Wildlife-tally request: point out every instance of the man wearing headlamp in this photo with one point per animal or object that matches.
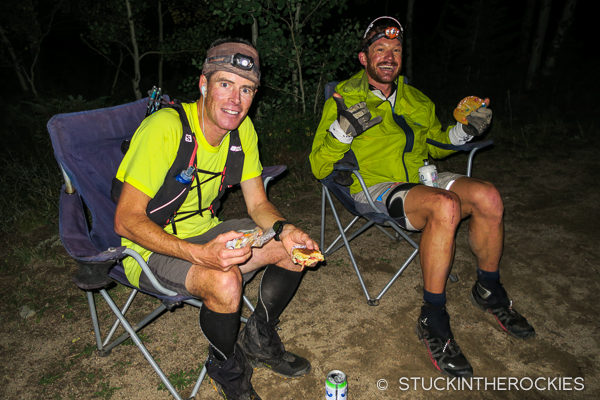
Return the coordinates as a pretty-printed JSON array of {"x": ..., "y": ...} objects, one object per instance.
[
  {"x": 384, "y": 123},
  {"x": 191, "y": 255}
]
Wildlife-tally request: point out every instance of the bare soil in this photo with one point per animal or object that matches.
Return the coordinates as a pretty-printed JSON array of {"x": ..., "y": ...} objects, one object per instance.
[{"x": 550, "y": 268}]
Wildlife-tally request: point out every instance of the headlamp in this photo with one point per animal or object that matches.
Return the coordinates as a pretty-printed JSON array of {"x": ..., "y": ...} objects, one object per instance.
[
  {"x": 238, "y": 60},
  {"x": 391, "y": 32}
]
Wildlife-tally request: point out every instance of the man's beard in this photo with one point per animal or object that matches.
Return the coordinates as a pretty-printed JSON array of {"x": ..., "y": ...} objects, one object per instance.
[{"x": 374, "y": 73}]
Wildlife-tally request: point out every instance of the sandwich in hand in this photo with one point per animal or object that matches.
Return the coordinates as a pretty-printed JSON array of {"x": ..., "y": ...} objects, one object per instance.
[
  {"x": 466, "y": 106},
  {"x": 305, "y": 257}
]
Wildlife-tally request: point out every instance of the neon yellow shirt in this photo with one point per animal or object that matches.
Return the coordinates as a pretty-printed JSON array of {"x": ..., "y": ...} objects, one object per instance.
[{"x": 152, "y": 151}]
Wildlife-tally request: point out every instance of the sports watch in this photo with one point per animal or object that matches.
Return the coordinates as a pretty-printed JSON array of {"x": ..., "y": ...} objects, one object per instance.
[{"x": 278, "y": 227}]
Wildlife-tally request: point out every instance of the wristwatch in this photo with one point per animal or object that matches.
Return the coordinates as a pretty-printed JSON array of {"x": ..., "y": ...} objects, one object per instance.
[{"x": 278, "y": 227}]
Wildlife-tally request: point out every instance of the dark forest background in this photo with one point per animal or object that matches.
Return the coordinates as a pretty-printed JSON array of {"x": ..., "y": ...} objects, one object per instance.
[{"x": 535, "y": 59}]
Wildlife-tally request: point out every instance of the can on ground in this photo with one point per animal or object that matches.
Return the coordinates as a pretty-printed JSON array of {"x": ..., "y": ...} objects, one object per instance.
[{"x": 336, "y": 386}]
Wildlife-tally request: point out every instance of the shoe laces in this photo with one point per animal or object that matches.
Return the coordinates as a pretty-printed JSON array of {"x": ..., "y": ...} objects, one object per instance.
[{"x": 451, "y": 348}]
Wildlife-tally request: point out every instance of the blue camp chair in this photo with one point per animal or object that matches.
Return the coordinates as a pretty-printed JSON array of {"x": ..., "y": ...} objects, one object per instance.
[
  {"x": 87, "y": 146},
  {"x": 386, "y": 224}
]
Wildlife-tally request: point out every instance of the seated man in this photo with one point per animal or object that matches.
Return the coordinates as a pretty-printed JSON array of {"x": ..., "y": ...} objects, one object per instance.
[
  {"x": 389, "y": 149},
  {"x": 190, "y": 254}
]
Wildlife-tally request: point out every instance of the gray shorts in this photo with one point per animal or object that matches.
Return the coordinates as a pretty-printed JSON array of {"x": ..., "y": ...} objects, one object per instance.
[
  {"x": 381, "y": 191},
  {"x": 171, "y": 272}
]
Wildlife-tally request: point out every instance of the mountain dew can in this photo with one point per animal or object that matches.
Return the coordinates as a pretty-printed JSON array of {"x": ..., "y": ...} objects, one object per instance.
[{"x": 336, "y": 386}]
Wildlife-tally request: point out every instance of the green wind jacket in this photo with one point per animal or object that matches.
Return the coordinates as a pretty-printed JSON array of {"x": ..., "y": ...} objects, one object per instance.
[{"x": 385, "y": 153}]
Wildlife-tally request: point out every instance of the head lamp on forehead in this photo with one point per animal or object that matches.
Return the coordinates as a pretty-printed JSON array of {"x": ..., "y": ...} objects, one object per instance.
[
  {"x": 393, "y": 30},
  {"x": 235, "y": 57},
  {"x": 237, "y": 60}
]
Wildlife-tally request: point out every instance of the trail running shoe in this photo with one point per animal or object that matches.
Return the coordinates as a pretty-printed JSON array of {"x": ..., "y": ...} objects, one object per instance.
[
  {"x": 262, "y": 345},
  {"x": 498, "y": 304},
  {"x": 444, "y": 352}
]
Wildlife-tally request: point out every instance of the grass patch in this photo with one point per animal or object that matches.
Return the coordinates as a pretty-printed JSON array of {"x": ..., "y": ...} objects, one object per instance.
[
  {"x": 182, "y": 379},
  {"x": 106, "y": 391}
]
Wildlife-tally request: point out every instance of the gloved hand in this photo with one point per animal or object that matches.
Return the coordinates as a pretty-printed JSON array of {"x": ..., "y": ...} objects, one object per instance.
[
  {"x": 479, "y": 120},
  {"x": 352, "y": 121}
]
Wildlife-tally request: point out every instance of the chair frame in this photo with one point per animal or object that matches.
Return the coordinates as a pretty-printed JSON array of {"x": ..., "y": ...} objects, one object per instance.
[
  {"x": 380, "y": 221},
  {"x": 106, "y": 268}
]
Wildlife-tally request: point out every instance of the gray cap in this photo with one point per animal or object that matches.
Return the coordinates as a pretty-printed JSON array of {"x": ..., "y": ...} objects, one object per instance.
[{"x": 238, "y": 58}]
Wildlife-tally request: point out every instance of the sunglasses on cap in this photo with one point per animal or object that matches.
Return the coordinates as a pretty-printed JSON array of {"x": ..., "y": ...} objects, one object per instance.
[{"x": 238, "y": 60}]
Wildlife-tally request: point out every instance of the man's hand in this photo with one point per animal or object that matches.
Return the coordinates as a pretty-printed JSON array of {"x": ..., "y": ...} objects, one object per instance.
[
  {"x": 352, "y": 121},
  {"x": 479, "y": 120},
  {"x": 216, "y": 255},
  {"x": 292, "y": 236}
]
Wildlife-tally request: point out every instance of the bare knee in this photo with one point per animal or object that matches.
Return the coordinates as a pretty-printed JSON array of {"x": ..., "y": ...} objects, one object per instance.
[
  {"x": 445, "y": 210},
  {"x": 221, "y": 291},
  {"x": 487, "y": 202}
]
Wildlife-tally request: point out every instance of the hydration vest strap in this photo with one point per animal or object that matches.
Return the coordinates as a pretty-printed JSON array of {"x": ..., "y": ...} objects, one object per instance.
[
  {"x": 232, "y": 173},
  {"x": 171, "y": 195}
]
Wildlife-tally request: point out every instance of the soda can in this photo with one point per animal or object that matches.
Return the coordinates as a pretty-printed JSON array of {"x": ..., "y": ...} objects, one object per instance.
[
  {"x": 428, "y": 174},
  {"x": 336, "y": 386}
]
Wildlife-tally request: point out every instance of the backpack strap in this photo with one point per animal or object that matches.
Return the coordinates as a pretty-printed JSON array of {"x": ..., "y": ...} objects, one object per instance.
[
  {"x": 232, "y": 173},
  {"x": 171, "y": 195}
]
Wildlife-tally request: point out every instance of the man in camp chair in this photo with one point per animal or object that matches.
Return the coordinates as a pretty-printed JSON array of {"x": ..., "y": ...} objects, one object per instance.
[
  {"x": 386, "y": 122},
  {"x": 190, "y": 252}
]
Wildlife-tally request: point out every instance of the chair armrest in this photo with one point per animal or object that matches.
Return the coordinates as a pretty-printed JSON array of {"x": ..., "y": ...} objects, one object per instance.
[
  {"x": 479, "y": 144},
  {"x": 365, "y": 190},
  {"x": 471, "y": 147},
  {"x": 142, "y": 263},
  {"x": 271, "y": 172},
  {"x": 344, "y": 166}
]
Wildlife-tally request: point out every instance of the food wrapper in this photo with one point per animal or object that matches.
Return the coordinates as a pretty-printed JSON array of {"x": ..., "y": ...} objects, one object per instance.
[{"x": 254, "y": 237}]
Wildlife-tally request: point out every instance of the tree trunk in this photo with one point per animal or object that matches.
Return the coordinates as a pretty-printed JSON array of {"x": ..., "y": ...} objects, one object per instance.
[
  {"x": 295, "y": 31},
  {"x": 565, "y": 23},
  {"x": 475, "y": 30},
  {"x": 135, "y": 54},
  {"x": 527, "y": 27},
  {"x": 254, "y": 31},
  {"x": 408, "y": 40},
  {"x": 161, "y": 34},
  {"x": 538, "y": 43},
  {"x": 15, "y": 61}
]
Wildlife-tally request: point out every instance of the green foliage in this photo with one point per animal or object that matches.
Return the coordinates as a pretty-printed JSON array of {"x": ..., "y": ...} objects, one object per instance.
[
  {"x": 30, "y": 179},
  {"x": 298, "y": 55},
  {"x": 182, "y": 379}
]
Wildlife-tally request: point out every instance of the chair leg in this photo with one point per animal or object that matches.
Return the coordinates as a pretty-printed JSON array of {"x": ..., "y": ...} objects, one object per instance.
[
  {"x": 93, "y": 313},
  {"x": 198, "y": 383},
  {"x": 139, "y": 344}
]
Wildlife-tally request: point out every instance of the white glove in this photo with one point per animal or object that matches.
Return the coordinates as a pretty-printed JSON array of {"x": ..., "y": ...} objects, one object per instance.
[
  {"x": 336, "y": 130},
  {"x": 458, "y": 136}
]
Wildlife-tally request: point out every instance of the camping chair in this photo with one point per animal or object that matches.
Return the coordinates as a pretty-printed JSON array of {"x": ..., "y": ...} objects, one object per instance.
[
  {"x": 374, "y": 217},
  {"x": 87, "y": 146}
]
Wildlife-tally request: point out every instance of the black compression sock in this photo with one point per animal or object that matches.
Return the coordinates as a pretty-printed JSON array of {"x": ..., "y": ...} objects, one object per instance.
[
  {"x": 221, "y": 330},
  {"x": 277, "y": 287}
]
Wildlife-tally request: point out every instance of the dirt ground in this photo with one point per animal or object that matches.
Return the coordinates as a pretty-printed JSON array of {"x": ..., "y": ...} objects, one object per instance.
[{"x": 550, "y": 268}]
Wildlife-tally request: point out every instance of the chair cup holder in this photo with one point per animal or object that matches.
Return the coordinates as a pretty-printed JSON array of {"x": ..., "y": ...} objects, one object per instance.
[{"x": 93, "y": 275}]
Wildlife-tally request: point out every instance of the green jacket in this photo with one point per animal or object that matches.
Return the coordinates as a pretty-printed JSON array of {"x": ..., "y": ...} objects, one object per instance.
[{"x": 385, "y": 153}]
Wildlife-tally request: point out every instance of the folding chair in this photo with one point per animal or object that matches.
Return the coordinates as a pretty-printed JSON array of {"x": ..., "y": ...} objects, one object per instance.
[
  {"x": 374, "y": 217},
  {"x": 87, "y": 146}
]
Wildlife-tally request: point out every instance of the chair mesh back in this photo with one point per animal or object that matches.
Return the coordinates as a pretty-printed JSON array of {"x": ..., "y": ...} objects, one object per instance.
[{"x": 88, "y": 146}]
